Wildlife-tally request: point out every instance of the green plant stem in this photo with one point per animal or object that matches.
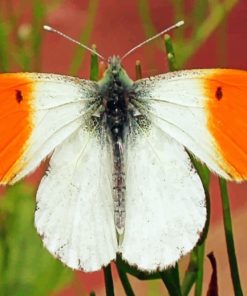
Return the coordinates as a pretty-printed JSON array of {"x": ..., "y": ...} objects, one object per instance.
[
  {"x": 147, "y": 22},
  {"x": 109, "y": 289},
  {"x": 170, "y": 277},
  {"x": 38, "y": 12},
  {"x": 125, "y": 282},
  {"x": 202, "y": 32},
  {"x": 190, "y": 274},
  {"x": 196, "y": 265},
  {"x": 172, "y": 65},
  {"x": 200, "y": 263},
  {"x": 229, "y": 238}
]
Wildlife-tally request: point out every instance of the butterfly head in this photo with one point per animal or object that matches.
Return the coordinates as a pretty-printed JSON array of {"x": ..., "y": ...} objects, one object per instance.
[
  {"x": 114, "y": 65},
  {"x": 115, "y": 73}
]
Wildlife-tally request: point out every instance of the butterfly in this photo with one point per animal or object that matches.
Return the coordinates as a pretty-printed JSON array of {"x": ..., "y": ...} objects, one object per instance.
[{"x": 120, "y": 180}]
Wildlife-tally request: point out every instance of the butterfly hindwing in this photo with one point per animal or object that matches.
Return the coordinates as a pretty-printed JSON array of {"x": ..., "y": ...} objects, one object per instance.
[
  {"x": 74, "y": 204},
  {"x": 165, "y": 201}
]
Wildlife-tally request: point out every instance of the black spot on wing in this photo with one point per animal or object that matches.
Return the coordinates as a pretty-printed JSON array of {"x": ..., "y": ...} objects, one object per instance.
[
  {"x": 18, "y": 96},
  {"x": 219, "y": 93}
]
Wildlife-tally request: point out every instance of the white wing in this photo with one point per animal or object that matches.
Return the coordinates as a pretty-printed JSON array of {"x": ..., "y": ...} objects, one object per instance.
[
  {"x": 74, "y": 204},
  {"x": 204, "y": 110},
  {"x": 46, "y": 111},
  {"x": 165, "y": 207}
]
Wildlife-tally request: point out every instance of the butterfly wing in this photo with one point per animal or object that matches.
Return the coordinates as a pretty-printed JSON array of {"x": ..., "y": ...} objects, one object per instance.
[
  {"x": 206, "y": 111},
  {"x": 74, "y": 204},
  {"x": 37, "y": 112},
  {"x": 165, "y": 201}
]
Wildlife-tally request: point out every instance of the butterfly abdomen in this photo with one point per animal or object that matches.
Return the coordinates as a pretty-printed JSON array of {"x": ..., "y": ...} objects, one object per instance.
[{"x": 115, "y": 114}]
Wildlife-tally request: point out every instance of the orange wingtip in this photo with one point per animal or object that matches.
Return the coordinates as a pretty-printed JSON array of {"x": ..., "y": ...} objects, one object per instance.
[
  {"x": 15, "y": 122},
  {"x": 226, "y": 91}
]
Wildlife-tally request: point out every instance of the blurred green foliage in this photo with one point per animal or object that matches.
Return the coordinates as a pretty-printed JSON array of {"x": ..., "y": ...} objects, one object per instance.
[
  {"x": 26, "y": 268},
  {"x": 201, "y": 20}
]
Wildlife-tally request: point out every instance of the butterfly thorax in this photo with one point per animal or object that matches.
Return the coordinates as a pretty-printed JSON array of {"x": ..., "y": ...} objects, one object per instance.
[{"x": 114, "y": 91}]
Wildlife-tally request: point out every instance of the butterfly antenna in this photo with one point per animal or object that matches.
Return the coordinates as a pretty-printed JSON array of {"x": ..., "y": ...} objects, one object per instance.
[
  {"x": 50, "y": 29},
  {"x": 178, "y": 24}
]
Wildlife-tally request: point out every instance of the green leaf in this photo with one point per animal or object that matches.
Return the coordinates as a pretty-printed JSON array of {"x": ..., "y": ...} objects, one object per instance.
[
  {"x": 108, "y": 280},
  {"x": 170, "y": 277},
  {"x": 84, "y": 37}
]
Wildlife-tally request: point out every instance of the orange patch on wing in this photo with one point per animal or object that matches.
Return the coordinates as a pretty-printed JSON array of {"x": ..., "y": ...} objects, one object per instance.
[
  {"x": 226, "y": 92},
  {"x": 15, "y": 122}
]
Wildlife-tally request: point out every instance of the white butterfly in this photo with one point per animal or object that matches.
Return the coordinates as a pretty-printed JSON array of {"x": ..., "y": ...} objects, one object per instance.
[{"x": 119, "y": 179}]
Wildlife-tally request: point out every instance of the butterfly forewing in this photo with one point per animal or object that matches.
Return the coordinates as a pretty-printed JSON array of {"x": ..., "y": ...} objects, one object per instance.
[
  {"x": 191, "y": 107},
  {"x": 38, "y": 111}
]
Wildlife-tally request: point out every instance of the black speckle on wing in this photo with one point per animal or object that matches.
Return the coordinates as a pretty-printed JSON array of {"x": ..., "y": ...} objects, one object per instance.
[
  {"x": 18, "y": 96},
  {"x": 219, "y": 93}
]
